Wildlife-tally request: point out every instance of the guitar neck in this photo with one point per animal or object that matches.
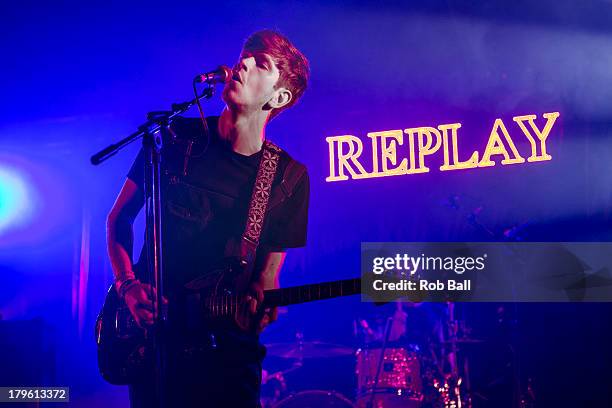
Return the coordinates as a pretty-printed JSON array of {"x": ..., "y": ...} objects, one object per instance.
[{"x": 309, "y": 293}]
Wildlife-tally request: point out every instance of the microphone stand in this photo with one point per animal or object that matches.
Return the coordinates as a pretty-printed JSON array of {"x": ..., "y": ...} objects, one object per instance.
[
  {"x": 151, "y": 133},
  {"x": 381, "y": 360},
  {"x": 519, "y": 398}
]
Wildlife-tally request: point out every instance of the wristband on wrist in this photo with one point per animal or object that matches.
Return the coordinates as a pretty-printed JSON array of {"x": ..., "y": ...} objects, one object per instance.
[
  {"x": 126, "y": 285},
  {"x": 122, "y": 277}
]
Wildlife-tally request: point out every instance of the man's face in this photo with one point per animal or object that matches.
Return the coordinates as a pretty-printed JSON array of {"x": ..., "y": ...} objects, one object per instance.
[{"x": 252, "y": 84}]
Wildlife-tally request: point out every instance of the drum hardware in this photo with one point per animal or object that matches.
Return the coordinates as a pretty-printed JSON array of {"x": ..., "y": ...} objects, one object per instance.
[
  {"x": 390, "y": 372},
  {"x": 381, "y": 359},
  {"x": 274, "y": 386},
  {"x": 298, "y": 351},
  {"x": 450, "y": 391}
]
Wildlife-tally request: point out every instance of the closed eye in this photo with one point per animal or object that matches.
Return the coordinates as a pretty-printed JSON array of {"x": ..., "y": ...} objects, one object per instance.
[
  {"x": 262, "y": 60},
  {"x": 263, "y": 63}
]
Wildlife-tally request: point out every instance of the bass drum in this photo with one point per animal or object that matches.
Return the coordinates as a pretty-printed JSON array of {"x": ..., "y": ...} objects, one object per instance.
[{"x": 315, "y": 399}]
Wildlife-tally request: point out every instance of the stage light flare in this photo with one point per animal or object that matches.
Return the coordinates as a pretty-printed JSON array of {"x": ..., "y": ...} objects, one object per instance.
[
  {"x": 17, "y": 199},
  {"x": 36, "y": 202}
]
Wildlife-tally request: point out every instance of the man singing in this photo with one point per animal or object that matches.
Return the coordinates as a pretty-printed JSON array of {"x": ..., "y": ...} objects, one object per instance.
[{"x": 207, "y": 186}]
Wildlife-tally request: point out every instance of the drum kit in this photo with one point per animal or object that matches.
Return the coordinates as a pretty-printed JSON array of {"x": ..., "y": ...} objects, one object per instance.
[{"x": 390, "y": 370}]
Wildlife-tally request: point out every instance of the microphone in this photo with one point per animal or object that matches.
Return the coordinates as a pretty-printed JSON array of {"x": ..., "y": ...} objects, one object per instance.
[{"x": 220, "y": 75}]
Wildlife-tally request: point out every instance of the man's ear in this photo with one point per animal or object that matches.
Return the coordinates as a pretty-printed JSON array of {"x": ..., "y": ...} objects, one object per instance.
[{"x": 282, "y": 96}]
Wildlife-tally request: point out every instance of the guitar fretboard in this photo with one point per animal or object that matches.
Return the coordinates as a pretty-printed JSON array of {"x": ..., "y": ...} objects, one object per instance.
[
  {"x": 309, "y": 293},
  {"x": 226, "y": 305}
]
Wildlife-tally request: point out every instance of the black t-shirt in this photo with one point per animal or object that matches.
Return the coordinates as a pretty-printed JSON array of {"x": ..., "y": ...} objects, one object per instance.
[{"x": 205, "y": 209}]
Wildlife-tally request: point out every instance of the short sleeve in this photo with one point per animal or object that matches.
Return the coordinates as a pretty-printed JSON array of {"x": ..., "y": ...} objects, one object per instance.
[
  {"x": 287, "y": 223},
  {"x": 136, "y": 173}
]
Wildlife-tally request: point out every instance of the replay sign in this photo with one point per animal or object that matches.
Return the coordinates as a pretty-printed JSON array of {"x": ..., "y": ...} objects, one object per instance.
[{"x": 345, "y": 152}]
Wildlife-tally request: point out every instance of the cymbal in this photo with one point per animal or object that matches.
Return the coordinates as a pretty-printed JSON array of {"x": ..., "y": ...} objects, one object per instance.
[{"x": 308, "y": 349}]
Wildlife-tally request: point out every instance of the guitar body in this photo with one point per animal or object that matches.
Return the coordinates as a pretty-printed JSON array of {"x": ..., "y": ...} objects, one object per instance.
[{"x": 125, "y": 351}]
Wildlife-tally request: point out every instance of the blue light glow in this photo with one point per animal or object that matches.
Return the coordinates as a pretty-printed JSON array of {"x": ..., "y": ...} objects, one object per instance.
[{"x": 15, "y": 199}]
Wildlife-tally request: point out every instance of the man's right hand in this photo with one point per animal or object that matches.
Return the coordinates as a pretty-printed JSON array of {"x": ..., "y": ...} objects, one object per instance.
[{"x": 139, "y": 299}]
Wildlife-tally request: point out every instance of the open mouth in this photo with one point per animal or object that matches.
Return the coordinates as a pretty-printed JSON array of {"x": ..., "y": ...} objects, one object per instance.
[{"x": 236, "y": 77}]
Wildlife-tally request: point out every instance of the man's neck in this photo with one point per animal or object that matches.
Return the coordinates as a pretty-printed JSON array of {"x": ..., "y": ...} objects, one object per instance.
[{"x": 245, "y": 133}]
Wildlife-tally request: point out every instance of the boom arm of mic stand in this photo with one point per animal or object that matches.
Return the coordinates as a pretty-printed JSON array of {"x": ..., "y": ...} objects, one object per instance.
[{"x": 151, "y": 126}]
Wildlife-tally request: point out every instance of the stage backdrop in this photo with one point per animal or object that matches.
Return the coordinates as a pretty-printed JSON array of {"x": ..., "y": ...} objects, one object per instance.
[{"x": 76, "y": 77}]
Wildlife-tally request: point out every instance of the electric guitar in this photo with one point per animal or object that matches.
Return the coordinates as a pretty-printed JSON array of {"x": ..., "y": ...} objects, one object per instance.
[{"x": 124, "y": 349}]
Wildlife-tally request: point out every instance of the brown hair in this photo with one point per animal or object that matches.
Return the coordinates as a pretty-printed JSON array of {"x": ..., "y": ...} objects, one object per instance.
[{"x": 291, "y": 63}]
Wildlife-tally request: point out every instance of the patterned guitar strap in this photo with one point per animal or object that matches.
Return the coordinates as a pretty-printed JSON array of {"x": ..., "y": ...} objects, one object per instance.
[{"x": 257, "y": 211}]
